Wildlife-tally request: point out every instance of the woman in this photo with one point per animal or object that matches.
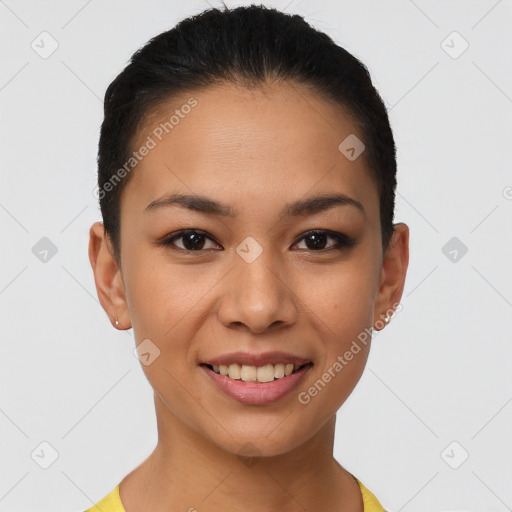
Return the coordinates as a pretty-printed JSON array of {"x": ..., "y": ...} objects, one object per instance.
[{"x": 246, "y": 181}]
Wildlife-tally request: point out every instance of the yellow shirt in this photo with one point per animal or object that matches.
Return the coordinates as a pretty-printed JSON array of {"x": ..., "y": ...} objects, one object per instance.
[{"x": 112, "y": 502}]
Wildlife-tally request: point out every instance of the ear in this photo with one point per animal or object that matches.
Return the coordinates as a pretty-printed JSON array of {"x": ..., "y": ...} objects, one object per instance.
[
  {"x": 392, "y": 277},
  {"x": 108, "y": 277}
]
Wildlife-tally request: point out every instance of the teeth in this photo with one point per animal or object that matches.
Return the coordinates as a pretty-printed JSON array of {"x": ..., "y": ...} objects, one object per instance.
[
  {"x": 247, "y": 373},
  {"x": 265, "y": 373},
  {"x": 234, "y": 371},
  {"x": 278, "y": 371}
]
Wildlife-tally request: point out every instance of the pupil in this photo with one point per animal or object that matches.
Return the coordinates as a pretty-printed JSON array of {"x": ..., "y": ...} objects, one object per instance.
[
  {"x": 316, "y": 241},
  {"x": 193, "y": 241}
]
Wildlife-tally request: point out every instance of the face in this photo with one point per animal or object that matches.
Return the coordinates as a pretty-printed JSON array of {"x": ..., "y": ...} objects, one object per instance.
[{"x": 280, "y": 264}]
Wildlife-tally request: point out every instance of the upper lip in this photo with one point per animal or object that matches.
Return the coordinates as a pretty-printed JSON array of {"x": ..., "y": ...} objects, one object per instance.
[{"x": 253, "y": 359}]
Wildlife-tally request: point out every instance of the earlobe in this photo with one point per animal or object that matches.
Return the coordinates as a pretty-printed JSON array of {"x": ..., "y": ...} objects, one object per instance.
[
  {"x": 393, "y": 273},
  {"x": 107, "y": 277}
]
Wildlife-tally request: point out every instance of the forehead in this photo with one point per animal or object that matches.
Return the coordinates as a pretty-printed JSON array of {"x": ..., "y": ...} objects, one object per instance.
[{"x": 236, "y": 142}]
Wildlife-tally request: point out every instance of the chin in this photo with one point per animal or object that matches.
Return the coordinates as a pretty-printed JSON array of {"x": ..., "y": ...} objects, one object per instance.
[{"x": 251, "y": 442}]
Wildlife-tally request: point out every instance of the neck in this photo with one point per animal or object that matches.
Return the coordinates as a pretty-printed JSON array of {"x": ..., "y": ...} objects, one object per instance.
[{"x": 186, "y": 471}]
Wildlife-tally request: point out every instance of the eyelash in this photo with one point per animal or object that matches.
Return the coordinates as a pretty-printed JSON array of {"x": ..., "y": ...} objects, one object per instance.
[{"x": 342, "y": 241}]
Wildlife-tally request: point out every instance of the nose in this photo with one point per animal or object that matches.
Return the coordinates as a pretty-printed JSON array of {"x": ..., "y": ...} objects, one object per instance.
[{"x": 258, "y": 296}]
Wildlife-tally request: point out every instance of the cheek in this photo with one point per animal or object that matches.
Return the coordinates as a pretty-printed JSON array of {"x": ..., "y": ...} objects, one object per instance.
[
  {"x": 163, "y": 297},
  {"x": 342, "y": 306},
  {"x": 342, "y": 299}
]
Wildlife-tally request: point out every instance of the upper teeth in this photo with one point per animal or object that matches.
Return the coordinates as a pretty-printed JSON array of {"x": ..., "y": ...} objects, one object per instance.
[{"x": 266, "y": 373}]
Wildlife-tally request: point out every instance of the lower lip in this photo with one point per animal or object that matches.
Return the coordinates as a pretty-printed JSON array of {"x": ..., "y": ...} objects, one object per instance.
[{"x": 257, "y": 393}]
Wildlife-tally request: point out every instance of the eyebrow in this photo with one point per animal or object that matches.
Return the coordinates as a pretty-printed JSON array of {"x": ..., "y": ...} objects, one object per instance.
[{"x": 205, "y": 205}]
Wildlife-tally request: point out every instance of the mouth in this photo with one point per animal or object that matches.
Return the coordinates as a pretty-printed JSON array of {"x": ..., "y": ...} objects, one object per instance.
[
  {"x": 254, "y": 379},
  {"x": 259, "y": 374}
]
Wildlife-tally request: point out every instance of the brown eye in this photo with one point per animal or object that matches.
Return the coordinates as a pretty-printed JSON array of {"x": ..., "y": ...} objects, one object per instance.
[
  {"x": 317, "y": 240},
  {"x": 192, "y": 240}
]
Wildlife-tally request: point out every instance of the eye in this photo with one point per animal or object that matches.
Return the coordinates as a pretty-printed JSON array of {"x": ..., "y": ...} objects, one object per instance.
[
  {"x": 193, "y": 240},
  {"x": 316, "y": 240}
]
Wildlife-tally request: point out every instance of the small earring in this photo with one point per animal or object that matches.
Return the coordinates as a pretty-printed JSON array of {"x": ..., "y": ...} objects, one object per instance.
[
  {"x": 117, "y": 321},
  {"x": 387, "y": 319}
]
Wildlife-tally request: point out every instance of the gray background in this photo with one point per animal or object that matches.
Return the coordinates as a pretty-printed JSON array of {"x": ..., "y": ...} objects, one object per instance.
[{"x": 437, "y": 387}]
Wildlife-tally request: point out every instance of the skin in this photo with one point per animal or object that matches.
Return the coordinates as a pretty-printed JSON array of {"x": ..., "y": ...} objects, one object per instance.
[{"x": 253, "y": 150}]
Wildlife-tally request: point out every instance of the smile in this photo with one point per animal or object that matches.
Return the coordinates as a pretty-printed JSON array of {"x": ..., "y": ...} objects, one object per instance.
[
  {"x": 256, "y": 379},
  {"x": 266, "y": 373}
]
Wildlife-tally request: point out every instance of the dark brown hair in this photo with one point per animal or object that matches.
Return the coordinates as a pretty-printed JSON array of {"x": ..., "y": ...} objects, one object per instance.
[{"x": 248, "y": 45}]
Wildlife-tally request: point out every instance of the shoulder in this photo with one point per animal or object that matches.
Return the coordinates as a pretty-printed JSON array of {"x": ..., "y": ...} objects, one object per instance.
[
  {"x": 371, "y": 503},
  {"x": 110, "y": 503}
]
